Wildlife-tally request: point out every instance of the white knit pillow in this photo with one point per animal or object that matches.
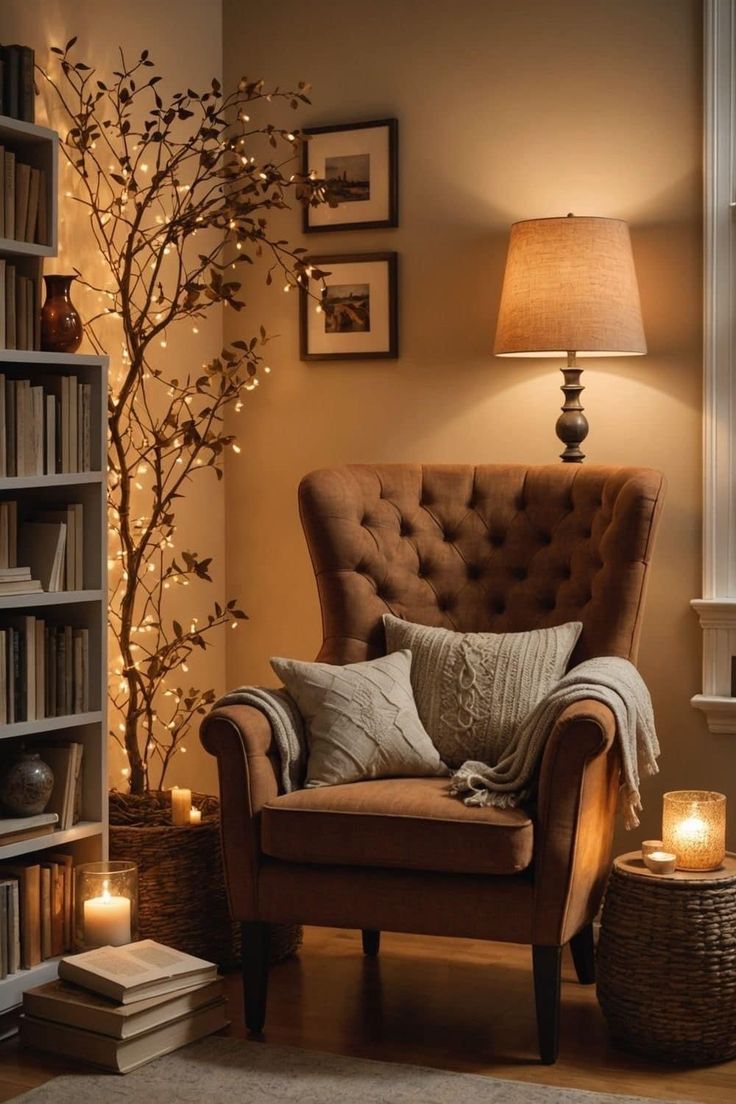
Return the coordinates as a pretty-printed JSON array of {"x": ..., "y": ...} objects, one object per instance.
[
  {"x": 473, "y": 689},
  {"x": 361, "y": 720}
]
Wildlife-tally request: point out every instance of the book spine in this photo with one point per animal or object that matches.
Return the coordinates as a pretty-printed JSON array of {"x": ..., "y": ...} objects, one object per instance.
[
  {"x": 9, "y": 194},
  {"x": 11, "y": 81},
  {"x": 26, "y": 97}
]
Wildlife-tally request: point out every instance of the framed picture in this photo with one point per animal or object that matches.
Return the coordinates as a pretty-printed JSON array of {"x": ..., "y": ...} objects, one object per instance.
[
  {"x": 359, "y": 161},
  {"x": 353, "y": 316}
]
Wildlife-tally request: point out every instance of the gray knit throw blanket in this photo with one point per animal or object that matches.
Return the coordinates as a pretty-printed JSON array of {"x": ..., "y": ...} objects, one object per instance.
[
  {"x": 607, "y": 679},
  {"x": 287, "y": 724}
]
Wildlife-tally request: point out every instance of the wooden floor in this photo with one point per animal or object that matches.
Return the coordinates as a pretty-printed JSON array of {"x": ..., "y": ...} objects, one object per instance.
[{"x": 450, "y": 1003}]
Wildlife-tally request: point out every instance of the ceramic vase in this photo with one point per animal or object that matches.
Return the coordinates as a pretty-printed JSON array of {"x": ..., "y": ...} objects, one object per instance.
[
  {"x": 25, "y": 787},
  {"x": 61, "y": 326}
]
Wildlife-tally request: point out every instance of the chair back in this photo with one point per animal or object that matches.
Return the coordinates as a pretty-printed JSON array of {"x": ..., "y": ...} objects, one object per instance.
[{"x": 487, "y": 548}]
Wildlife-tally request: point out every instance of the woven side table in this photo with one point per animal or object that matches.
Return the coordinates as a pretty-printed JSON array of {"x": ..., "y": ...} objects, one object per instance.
[{"x": 667, "y": 961}]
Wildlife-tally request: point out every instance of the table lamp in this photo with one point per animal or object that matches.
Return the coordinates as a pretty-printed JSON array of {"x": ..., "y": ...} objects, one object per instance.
[{"x": 570, "y": 290}]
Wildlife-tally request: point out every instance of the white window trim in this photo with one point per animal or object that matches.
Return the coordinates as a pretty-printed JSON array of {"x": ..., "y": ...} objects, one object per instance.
[{"x": 717, "y": 608}]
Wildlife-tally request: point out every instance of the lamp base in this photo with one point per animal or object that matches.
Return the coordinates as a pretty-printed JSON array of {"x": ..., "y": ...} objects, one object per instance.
[{"x": 572, "y": 425}]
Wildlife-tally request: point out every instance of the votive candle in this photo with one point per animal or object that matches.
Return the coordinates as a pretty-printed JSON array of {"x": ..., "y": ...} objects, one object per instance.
[{"x": 195, "y": 816}]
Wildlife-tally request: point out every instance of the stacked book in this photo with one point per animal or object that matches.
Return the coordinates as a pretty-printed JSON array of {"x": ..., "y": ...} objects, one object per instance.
[
  {"x": 24, "y": 212},
  {"x": 20, "y": 310},
  {"x": 44, "y": 670},
  {"x": 46, "y": 552},
  {"x": 36, "y": 911},
  {"x": 65, "y": 803},
  {"x": 16, "y": 82},
  {"x": 120, "y": 1007},
  {"x": 44, "y": 428}
]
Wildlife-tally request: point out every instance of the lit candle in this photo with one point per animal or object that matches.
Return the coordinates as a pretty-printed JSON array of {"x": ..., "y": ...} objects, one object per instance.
[
  {"x": 694, "y": 827},
  {"x": 195, "y": 816},
  {"x": 181, "y": 805},
  {"x": 106, "y": 920},
  {"x": 660, "y": 862}
]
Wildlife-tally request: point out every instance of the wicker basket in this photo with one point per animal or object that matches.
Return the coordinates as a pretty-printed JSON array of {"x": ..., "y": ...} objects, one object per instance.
[
  {"x": 667, "y": 963},
  {"x": 182, "y": 898}
]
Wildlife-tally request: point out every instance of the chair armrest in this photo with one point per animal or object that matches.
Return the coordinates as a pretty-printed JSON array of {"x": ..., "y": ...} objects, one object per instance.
[
  {"x": 578, "y": 793},
  {"x": 241, "y": 739}
]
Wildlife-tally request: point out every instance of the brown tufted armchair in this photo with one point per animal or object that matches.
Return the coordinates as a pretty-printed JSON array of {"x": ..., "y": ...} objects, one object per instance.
[{"x": 494, "y": 548}]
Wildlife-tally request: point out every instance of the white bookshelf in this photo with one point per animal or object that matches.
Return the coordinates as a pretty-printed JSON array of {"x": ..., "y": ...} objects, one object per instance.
[{"x": 87, "y": 608}]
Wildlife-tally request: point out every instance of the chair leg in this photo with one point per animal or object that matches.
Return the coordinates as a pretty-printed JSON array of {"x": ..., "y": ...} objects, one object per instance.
[
  {"x": 256, "y": 940},
  {"x": 583, "y": 955},
  {"x": 371, "y": 942},
  {"x": 547, "y": 962}
]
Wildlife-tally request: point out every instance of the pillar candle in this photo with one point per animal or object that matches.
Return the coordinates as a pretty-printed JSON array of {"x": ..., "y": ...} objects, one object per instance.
[
  {"x": 181, "y": 805},
  {"x": 106, "y": 920}
]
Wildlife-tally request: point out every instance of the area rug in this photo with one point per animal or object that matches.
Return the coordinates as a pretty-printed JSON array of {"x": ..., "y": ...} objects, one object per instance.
[{"x": 233, "y": 1071}]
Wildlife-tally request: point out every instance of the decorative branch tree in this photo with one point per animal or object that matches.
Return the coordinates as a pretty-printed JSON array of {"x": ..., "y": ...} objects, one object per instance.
[{"x": 178, "y": 195}]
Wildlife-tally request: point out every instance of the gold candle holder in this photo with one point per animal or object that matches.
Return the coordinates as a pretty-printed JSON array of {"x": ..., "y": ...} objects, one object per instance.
[{"x": 694, "y": 828}]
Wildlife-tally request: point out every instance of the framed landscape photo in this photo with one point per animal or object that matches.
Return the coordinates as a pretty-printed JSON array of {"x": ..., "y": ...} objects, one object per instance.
[
  {"x": 352, "y": 316},
  {"x": 359, "y": 162}
]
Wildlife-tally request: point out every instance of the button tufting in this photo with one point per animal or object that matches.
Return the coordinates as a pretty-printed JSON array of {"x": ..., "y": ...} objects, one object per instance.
[
  {"x": 545, "y": 538},
  {"x": 474, "y": 571},
  {"x": 500, "y": 608},
  {"x": 448, "y": 536},
  {"x": 520, "y": 573},
  {"x": 496, "y": 539},
  {"x": 405, "y": 529}
]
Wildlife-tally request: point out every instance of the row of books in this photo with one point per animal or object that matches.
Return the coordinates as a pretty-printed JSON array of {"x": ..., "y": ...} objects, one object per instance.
[
  {"x": 20, "y": 310},
  {"x": 120, "y": 1007},
  {"x": 44, "y": 670},
  {"x": 43, "y": 552},
  {"x": 36, "y": 911},
  {"x": 16, "y": 82},
  {"x": 24, "y": 212},
  {"x": 45, "y": 427}
]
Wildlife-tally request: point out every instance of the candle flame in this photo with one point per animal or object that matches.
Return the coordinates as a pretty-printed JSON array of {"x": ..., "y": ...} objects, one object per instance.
[{"x": 106, "y": 890}]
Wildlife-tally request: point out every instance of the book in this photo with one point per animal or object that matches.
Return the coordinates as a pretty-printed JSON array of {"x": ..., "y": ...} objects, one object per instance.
[
  {"x": 135, "y": 971},
  {"x": 13, "y": 829},
  {"x": 2, "y": 330},
  {"x": 32, "y": 215},
  {"x": 11, "y": 82},
  {"x": 2, "y": 171},
  {"x": 3, "y": 929},
  {"x": 13, "y": 926},
  {"x": 10, "y": 318},
  {"x": 20, "y": 586},
  {"x": 45, "y": 911},
  {"x": 42, "y": 232},
  {"x": 42, "y": 545},
  {"x": 22, "y": 194},
  {"x": 66, "y": 871},
  {"x": 63, "y": 1003},
  {"x": 25, "y": 667},
  {"x": 9, "y": 193},
  {"x": 29, "y": 889},
  {"x": 26, "y": 90},
  {"x": 62, "y": 760},
  {"x": 50, "y": 461},
  {"x": 123, "y": 1055},
  {"x": 56, "y": 905}
]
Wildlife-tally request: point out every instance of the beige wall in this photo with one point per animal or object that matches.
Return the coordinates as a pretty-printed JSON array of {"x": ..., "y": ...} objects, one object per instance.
[
  {"x": 507, "y": 111},
  {"x": 185, "y": 42}
]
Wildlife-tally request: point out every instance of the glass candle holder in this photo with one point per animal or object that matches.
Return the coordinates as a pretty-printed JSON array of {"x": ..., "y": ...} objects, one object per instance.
[
  {"x": 694, "y": 828},
  {"x": 105, "y": 904}
]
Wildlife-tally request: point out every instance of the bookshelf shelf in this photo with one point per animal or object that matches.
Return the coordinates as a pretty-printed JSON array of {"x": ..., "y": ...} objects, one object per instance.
[
  {"x": 63, "y": 479},
  {"x": 86, "y": 609},
  {"x": 44, "y": 599},
  {"x": 85, "y": 829},
  {"x": 23, "y": 729}
]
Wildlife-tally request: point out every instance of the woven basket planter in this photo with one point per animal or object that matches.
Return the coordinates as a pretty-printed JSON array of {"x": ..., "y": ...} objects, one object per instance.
[
  {"x": 182, "y": 897},
  {"x": 666, "y": 967}
]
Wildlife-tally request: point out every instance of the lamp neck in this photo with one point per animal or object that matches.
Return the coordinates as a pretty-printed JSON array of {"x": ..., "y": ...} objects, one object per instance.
[{"x": 572, "y": 425}]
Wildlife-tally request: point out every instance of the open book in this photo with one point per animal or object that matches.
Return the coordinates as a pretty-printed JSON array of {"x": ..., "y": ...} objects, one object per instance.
[{"x": 135, "y": 971}]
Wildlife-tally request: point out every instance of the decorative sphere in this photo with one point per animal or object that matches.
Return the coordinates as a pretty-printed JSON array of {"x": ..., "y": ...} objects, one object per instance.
[{"x": 25, "y": 787}]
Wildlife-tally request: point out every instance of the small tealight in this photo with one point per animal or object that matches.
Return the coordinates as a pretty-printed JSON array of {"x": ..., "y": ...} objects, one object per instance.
[
  {"x": 660, "y": 862},
  {"x": 195, "y": 816},
  {"x": 651, "y": 845}
]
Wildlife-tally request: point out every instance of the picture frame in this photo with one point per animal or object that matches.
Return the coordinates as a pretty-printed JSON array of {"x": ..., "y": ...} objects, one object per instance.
[
  {"x": 362, "y": 161},
  {"x": 357, "y": 316}
]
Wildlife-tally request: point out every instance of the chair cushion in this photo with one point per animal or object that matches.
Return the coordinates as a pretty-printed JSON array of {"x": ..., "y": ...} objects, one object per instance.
[{"x": 405, "y": 823}]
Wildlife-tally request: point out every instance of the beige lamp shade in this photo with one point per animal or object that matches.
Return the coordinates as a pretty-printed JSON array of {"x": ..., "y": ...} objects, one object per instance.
[{"x": 570, "y": 286}]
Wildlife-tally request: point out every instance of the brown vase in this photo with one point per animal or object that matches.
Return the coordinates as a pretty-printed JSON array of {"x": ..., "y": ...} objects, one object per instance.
[{"x": 61, "y": 326}]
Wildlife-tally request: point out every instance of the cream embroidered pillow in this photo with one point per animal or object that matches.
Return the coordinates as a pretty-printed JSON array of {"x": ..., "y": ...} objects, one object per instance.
[
  {"x": 473, "y": 689},
  {"x": 361, "y": 720}
]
